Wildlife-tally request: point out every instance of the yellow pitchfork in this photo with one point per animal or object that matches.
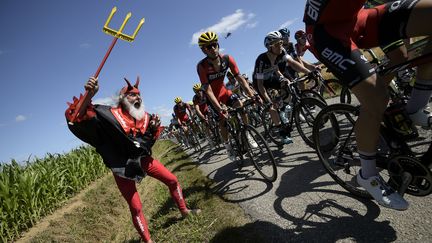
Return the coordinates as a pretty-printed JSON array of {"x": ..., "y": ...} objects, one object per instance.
[{"x": 117, "y": 34}]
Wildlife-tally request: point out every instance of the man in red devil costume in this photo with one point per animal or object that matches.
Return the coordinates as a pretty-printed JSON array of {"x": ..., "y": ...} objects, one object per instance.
[{"x": 123, "y": 135}]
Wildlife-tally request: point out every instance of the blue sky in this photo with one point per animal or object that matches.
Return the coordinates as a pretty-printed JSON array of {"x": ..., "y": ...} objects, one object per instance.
[{"x": 49, "y": 48}]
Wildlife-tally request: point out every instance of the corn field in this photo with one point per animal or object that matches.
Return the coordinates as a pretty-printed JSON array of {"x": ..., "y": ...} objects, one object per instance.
[{"x": 31, "y": 191}]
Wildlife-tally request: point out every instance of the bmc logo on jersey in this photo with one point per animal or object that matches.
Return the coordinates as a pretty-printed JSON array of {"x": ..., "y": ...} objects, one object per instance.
[
  {"x": 336, "y": 58},
  {"x": 216, "y": 75},
  {"x": 312, "y": 9}
]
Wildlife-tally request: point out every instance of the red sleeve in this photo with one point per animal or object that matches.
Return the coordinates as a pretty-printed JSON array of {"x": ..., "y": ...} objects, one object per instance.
[
  {"x": 202, "y": 73},
  {"x": 233, "y": 66},
  {"x": 90, "y": 113}
]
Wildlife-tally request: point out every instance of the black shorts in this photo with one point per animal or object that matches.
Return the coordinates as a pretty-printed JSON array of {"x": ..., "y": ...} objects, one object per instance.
[{"x": 337, "y": 44}]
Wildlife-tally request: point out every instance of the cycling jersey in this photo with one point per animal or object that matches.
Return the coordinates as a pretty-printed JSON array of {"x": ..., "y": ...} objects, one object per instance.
[
  {"x": 202, "y": 102},
  {"x": 180, "y": 112},
  {"x": 209, "y": 76},
  {"x": 266, "y": 71},
  {"x": 331, "y": 11},
  {"x": 336, "y": 29},
  {"x": 289, "y": 71},
  {"x": 301, "y": 50}
]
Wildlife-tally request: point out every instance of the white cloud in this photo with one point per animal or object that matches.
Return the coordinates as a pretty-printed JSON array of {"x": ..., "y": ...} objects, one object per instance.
[
  {"x": 20, "y": 118},
  {"x": 111, "y": 101},
  {"x": 227, "y": 24},
  {"x": 251, "y": 25},
  {"x": 85, "y": 45},
  {"x": 163, "y": 112},
  {"x": 288, "y": 23}
]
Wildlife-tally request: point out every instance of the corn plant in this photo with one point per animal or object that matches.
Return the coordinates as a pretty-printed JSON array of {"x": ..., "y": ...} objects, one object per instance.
[{"x": 29, "y": 192}]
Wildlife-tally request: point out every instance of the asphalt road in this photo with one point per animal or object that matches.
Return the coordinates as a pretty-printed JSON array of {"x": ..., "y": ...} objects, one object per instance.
[{"x": 306, "y": 205}]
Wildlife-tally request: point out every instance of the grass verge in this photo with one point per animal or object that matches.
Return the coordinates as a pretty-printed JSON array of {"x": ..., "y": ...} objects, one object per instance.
[{"x": 103, "y": 215}]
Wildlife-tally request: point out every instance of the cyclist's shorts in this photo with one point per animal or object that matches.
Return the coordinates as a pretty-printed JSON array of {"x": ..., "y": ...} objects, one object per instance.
[
  {"x": 336, "y": 44},
  {"x": 184, "y": 119},
  {"x": 228, "y": 98}
]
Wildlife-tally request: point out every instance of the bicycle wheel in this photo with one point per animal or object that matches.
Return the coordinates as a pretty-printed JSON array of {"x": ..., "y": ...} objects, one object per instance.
[
  {"x": 270, "y": 130},
  {"x": 335, "y": 143},
  {"x": 258, "y": 151},
  {"x": 345, "y": 95},
  {"x": 304, "y": 115},
  {"x": 313, "y": 94}
]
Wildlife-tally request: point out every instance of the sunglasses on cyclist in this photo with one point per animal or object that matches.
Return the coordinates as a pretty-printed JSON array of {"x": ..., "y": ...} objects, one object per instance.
[
  {"x": 211, "y": 46},
  {"x": 277, "y": 43}
]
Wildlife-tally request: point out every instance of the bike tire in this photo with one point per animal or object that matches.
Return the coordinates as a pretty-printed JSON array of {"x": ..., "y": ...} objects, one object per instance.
[
  {"x": 305, "y": 128},
  {"x": 312, "y": 94},
  {"x": 345, "y": 95},
  {"x": 261, "y": 155},
  {"x": 336, "y": 146},
  {"x": 270, "y": 131}
]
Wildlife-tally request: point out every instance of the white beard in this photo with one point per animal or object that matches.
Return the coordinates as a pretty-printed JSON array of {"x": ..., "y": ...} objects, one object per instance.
[{"x": 137, "y": 113}]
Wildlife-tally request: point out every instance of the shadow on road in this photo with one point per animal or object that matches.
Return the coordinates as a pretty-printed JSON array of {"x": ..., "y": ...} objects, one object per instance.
[{"x": 352, "y": 227}]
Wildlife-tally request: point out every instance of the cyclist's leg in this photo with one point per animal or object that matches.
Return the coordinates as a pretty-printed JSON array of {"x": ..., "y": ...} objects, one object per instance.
[
  {"x": 334, "y": 46},
  {"x": 422, "y": 90}
]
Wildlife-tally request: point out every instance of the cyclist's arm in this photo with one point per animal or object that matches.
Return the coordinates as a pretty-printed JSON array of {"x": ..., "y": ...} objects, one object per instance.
[
  {"x": 209, "y": 92},
  {"x": 198, "y": 112},
  {"x": 296, "y": 65},
  {"x": 262, "y": 91},
  {"x": 308, "y": 65}
]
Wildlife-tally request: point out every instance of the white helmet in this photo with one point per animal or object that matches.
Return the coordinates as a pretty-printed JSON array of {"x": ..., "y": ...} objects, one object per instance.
[{"x": 271, "y": 37}]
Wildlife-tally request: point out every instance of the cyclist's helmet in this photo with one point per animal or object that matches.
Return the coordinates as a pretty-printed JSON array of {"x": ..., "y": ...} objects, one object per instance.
[
  {"x": 285, "y": 33},
  {"x": 197, "y": 87},
  {"x": 207, "y": 38},
  {"x": 177, "y": 100},
  {"x": 299, "y": 33},
  {"x": 190, "y": 102},
  {"x": 272, "y": 37}
]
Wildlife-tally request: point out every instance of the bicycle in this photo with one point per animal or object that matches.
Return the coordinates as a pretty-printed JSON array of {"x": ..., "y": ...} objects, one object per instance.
[
  {"x": 305, "y": 105},
  {"x": 259, "y": 152},
  {"x": 403, "y": 165}
]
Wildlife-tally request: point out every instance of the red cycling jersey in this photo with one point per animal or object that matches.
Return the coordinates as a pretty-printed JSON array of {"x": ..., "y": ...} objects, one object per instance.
[
  {"x": 331, "y": 11},
  {"x": 301, "y": 50},
  {"x": 202, "y": 103},
  {"x": 209, "y": 76},
  {"x": 181, "y": 113}
]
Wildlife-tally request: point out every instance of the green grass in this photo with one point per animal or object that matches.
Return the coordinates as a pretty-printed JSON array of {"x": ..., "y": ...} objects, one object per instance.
[{"x": 104, "y": 216}]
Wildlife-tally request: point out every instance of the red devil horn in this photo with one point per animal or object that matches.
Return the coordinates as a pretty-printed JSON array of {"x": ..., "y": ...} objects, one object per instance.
[
  {"x": 128, "y": 84},
  {"x": 137, "y": 82}
]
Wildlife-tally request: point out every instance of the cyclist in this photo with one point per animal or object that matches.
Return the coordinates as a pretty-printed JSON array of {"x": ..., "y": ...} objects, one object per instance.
[
  {"x": 290, "y": 49},
  {"x": 202, "y": 109},
  {"x": 181, "y": 110},
  {"x": 234, "y": 86},
  {"x": 336, "y": 29},
  {"x": 211, "y": 71},
  {"x": 175, "y": 126},
  {"x": 268, "y": 70},
  {"x": 301, "y": 47}
]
